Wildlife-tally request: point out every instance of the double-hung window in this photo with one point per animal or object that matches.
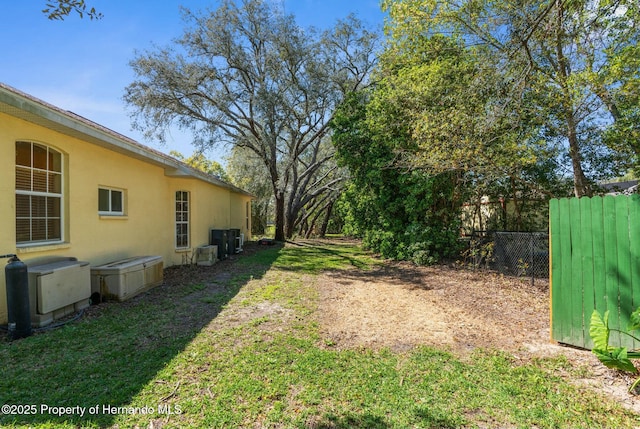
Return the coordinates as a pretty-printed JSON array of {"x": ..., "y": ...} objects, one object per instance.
[
  {"x": 39, "y": 179},
  {"x": 248, "y": 213},
  {"x": 182, "y": 219}
]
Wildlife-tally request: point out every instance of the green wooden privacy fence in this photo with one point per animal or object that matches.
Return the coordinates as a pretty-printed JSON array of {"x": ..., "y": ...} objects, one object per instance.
[{"x": 595, "y": 264}]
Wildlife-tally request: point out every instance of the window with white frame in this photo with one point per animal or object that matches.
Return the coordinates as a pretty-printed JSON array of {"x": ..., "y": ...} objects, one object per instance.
[
  {"x": 247, "y": 213},
  {"x": 110, "y": 201},
  {"x": 39, "y": 208},
  {"x": 182, "y": 219}
]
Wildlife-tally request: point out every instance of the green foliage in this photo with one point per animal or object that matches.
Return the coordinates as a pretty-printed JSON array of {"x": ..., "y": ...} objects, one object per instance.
[
  {"x": 200, "y": 162},
  {"x": 246, "y": 170},
  {"x": 561, "y": 73},
  {"x": 634, "y": 321},
  {"x": 400, "y": 213},
  {"x": 599, "y": 330},
  {"x": 479, "y": 253},
  {"x": 614, "y": 357},
  {"x": 426, "y": 135}
]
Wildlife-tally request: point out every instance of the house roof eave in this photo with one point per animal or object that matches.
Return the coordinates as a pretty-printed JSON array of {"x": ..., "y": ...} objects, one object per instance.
[{"x": 26, "y": 107}]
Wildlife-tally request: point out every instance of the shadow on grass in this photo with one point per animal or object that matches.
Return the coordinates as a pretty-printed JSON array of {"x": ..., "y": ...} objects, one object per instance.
[
  {"x": 314, "y": 256},
  {"x": 431, "y": 419},
  {"x": 368, "y": 421},
  {"x": 371, "y": 421},
  {"x": 79, "y": 375},
  {"x": 397, "y": 274}
]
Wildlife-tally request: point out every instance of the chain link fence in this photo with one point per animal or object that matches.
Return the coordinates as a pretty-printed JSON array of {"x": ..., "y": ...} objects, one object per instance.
[{"x": 522, "y": 254}]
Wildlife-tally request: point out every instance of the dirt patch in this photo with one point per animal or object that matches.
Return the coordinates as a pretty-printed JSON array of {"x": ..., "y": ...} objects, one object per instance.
[
  {"x": 271, "y": 315},
  {"x": 401, "y": 306}
]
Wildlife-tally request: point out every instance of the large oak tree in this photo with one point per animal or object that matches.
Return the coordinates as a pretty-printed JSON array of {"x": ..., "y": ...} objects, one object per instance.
[{"x": 247, "y": 75}]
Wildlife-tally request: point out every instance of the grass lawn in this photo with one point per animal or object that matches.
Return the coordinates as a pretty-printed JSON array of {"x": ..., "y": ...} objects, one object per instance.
[{"x": 244, "y": 350}]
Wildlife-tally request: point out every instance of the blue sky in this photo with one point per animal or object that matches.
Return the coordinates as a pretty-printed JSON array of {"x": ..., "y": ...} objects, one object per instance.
[{"x": 83, "y": 66}]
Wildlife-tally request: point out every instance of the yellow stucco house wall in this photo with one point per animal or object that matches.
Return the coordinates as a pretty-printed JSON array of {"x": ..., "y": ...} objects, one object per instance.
[{"x": 99, "y": 196}]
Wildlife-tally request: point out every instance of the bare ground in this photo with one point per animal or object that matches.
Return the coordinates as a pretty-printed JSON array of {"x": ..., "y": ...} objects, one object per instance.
[{"x": 401, "y": 306}]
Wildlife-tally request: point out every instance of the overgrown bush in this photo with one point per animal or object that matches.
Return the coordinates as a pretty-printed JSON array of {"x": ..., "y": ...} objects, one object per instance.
[
  {"x": 420, "y": 244},
  {"x": 399, "y": 212}
]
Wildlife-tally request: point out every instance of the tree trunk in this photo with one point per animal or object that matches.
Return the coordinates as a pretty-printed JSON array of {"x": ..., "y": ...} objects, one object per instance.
[
  {"x": 516, "y": 206},
  {"x": 289, "y": 226},
  {"x": 325, "y": 223},
  {"x": 608, "y": 101},
  {"x": 478, "y": 211},
  {"x": 581, "y": 185},
  {"x": 310, "y": 229},
  {"x": 279, "y": 216}
]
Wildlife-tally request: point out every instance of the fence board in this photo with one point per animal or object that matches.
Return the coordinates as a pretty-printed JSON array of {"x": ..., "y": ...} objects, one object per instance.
[
  {"x": 611, "y": 269},
  {"x": 599, "y": 267},
  {"x": 555, "y": 269},
  {"x": 634, "y": 252},
  {"x": 595, "y": 263},
  {"x": 586, "y": 248},
  {"x": 624, "y": 265},
  {"x": 565, "y": 261},
  {"x": 576, "y": 311}
]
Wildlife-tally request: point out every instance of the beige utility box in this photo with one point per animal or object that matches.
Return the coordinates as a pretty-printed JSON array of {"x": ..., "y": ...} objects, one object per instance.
[
  {"x": 57, "y": 289},
  {"x": 207, "y": 255},
  {"x": 127, "y": 278}
]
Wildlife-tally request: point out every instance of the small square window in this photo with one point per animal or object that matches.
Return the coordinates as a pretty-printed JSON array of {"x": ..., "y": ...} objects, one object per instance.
[{"x": 110, "y": 202}]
